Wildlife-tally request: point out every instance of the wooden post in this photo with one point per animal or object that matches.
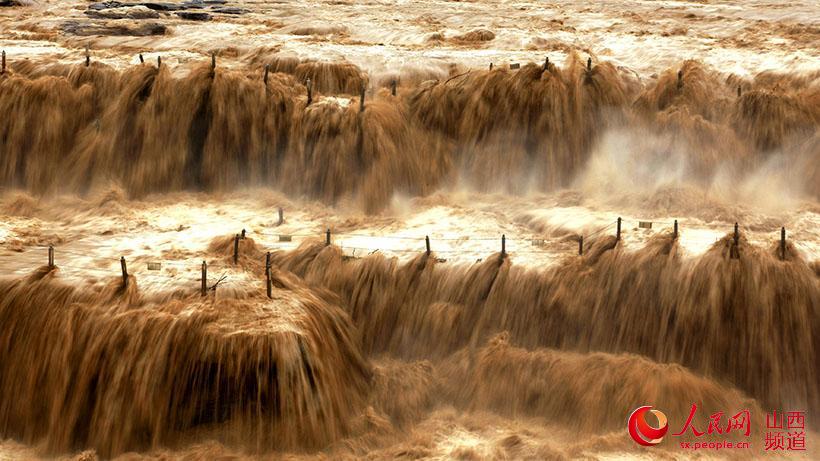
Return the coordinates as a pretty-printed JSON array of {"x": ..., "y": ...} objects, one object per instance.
[
  {"x": 503, "y": 245},
  {"x": 50, "y": 257},
  {"x": 589, "y": 64},
  {"x": 491, "y": 66},
  {"x": 124, "y": 272},
  {"x": 547, "y": 63},
  {"x": 204, "y": 289},
  {"x": 3, "y": 71},
  {"x": 680, "y": 79},
  {"x": 281, "y": 216},
  {"x": 243, "y": 234},
  {"x": 618, "y": 230},
  {"x": 142, "y": 59},
  {"x": 267, "y": 273},
  {"x": 782, "y": 243},
  {"x": 87, "y": 57},
  {"x": 739, "y": 91},
  {"x": 427, "y": 243},
  {"x": 159, "y": 62},
  {"x": 361, "y": 99},
  {"x": 265, "y": 78},
  {"x": 213, "y": 61},
  {"x": 675, "y": 231},
  {"x": 309, "y": 91},
  {"x": 327, "y": 237},
  {"x": 581, "y": 245},
  {"x": 236, "y": 249},
  {"x": 393, "y": 87}
]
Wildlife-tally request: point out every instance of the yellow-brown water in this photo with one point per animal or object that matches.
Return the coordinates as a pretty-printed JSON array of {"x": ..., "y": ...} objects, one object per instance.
[{"x": 369, "y": 346}]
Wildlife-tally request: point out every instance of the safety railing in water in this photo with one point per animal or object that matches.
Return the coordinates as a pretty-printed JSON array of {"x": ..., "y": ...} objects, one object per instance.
[{"x": 415, "y": 246}]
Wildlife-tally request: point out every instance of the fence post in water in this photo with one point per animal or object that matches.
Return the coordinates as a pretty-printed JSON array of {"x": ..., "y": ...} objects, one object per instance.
[
  {"x": 782, "y": 243},
  {"x": 204, "y": 289},
  {"x": 267, "y": 69},
  {"x": 236, "y": 249},
  {"x": 267, "y": 273},
  {"x": 327, "y": 237},
  {"x": 503, "y": 245},
  {"x": 124, "y": 272},
  {"x": 281, "y": 216},
  {"x": 51, "y": 257},
  {"x": 675, "y": 231},
  {"x": 581, "y": 245},
  {"x": 309, "y": 91},
  {"x": 737, "y": 235},
  {"x": 427, "y": 243},
  {"x": 618, "y": 230},
  {"x": 361, "y": 99},
  {"x": 393, "y": 87},
  {"x": 734, "y": 252}
]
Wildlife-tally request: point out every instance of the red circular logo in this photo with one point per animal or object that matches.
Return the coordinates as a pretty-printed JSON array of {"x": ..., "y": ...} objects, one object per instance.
[{"x": 642, "y": 432}]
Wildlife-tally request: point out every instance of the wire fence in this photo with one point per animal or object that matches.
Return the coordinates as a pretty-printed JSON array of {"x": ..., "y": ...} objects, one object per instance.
[{"x": 352, "y": 245}]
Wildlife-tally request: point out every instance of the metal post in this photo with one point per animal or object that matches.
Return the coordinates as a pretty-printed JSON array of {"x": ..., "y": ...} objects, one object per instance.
[
  {"x": 675, "y": 231},
  {"x": 503, "y": 245},
  {"x": 327, "y": 237},
  {"x": 361, "y": 99},
  {"x": 737, "y": 235},
  {"x": 124, "y": 271},
  {"x": 427, "y": 243},
  {"x": 734, "y": 252},
  {"x": 581, "y": 245},
  {"x": 267, "y": 69},
  {"x": 618, "y": 230},
  {"x": 281, "y": 216},
  {"x": 267, "y": 273},
  {"x": 50, "y": 257},
  {"x": 204, "y": 289},
  {"x": 236, "y": 249},
  {"x": 393, "y": 87},
  {"x": 782, "y": 243}
]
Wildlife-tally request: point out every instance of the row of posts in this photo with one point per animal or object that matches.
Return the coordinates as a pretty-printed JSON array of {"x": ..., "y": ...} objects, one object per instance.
[
  {"x": 734, "y": 252},
  {"x": 309, "y": 85}
]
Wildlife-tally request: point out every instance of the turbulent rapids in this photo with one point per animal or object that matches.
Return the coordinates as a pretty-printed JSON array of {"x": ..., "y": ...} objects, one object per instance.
[
  {"x": 75, "y": 127},
  {"x": 391, "y": 321}
]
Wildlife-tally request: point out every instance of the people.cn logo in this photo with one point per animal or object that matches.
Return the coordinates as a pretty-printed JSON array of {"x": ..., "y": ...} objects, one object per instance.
[{"x": 642, "y": 432}]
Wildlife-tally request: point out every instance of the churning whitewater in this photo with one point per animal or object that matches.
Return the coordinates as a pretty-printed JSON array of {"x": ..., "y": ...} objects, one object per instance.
[{"x": 457, "y": 230}]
